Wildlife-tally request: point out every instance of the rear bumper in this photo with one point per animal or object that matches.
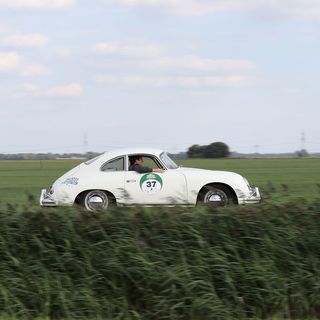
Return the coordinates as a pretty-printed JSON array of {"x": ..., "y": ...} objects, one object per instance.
[{"x": 46, "y": 199}]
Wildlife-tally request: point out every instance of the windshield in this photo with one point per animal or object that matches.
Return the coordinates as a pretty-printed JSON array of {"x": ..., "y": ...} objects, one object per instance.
[{"x": 170, "y": 164}]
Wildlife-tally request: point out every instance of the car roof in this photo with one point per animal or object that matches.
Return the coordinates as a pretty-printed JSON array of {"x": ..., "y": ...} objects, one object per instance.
[
  {"x": 108, "y": 155},
  {"x": 124, "y": 151}
]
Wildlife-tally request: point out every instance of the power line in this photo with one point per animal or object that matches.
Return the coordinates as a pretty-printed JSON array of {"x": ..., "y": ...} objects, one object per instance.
[
  {"x": 85, "y": 143},
  {"x": 303, "y": 141}
]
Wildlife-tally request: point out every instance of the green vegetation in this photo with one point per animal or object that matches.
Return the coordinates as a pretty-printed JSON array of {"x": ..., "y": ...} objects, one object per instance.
[
  {"x": 21, "y": 179},
  {"x": 213, "y": 150},
  {"x": 241, "y": 262},
  {"x": 279, "y": 178},
  {"x": 257, "y": 262}
]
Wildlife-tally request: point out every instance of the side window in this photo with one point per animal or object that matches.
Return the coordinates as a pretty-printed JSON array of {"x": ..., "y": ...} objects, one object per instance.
[
  {"x": 148, "y": 161},
  {"x": 114, "y": 165}
]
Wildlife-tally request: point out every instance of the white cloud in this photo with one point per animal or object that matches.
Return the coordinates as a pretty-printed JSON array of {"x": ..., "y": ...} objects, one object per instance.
[
  {"x": 290, "y": 8},
  {"x": 149, "y": 56},
  {"x": 213, "y": 81},
  {"x": 298, "y": 9},
  {"x": 69, "y": 90},
  {"x": 9, "y": 61},
  {"x": 146, "y": 81},
  {"x": 12, "y": 62},
  {"x": 151, "y": 65},
  {"x": 31, "y": 40},
  {"x": 37, "y": 4},
  {"x": 195, "y": 63},
  {"x": 66, "y": 53},
  {"x": 34, "y": 69},
  {"x": 130, "y": 49},
  {"x": 30, "y": 88},
  {"x": 187, "y": 7}
]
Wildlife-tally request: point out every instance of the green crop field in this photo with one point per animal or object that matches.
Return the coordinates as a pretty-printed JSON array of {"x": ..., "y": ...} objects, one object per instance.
[
  {"x": 279, "y": 178},
  {"x": 22, "y": 178},
  {"x": 239, "y": 262}
]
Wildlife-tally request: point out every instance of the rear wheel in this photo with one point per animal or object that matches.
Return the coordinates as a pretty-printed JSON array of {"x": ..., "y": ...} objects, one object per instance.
[
  {"x": 214, "y": 197},
  {"x": 96, "y": 200}
]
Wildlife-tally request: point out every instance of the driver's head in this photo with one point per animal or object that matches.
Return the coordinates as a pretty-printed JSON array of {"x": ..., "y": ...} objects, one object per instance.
[{"x": 135, "y": 159}]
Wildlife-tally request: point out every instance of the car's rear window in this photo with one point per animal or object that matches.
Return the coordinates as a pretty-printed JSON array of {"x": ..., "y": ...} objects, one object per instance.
[{"x": 114, "y": 165}]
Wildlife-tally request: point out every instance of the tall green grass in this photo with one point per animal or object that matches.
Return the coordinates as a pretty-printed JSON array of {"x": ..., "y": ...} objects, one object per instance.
[{"x": 252, "y": 262}]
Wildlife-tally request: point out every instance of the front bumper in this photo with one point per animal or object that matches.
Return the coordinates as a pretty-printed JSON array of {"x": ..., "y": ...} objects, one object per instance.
[
  {"x": 254, "y": 196},
  {"x": 46, "y": 199}
]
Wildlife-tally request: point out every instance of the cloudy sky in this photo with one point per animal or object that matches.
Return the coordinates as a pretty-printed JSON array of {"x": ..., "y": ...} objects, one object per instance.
[{"x": 80, "y": 75}]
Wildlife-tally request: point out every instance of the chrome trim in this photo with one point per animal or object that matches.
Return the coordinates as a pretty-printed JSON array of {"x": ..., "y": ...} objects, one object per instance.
[
  {"x": 46, "y": 199},
  {"x": 96, "y": 200},
  {"x": 254, "y": 196}
]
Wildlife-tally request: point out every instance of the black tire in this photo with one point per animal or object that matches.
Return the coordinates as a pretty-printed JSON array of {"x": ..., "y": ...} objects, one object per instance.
[
  {"x": 96, "y": 200},
  {"x": 214, "y": 197}
]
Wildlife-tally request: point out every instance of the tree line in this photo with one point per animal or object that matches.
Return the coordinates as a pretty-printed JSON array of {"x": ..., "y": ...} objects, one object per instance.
[
  {"x": 47, "y": 156},
  {"x": 213, "y": 150}
]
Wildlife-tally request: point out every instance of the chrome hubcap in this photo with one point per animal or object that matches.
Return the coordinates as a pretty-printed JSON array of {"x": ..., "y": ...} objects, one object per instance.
[
  {"x": 215, "y": 198},
  {"x": 96, "y": 201}
]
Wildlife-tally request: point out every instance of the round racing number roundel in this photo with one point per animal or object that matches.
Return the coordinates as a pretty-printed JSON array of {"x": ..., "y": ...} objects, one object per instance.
[{"x": 151, "y": 183}]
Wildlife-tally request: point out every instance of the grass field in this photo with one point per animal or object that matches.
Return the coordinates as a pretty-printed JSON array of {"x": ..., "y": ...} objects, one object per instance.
[
  {"x": 240, "y": 263},
  {"x": 281, "y": 178}
]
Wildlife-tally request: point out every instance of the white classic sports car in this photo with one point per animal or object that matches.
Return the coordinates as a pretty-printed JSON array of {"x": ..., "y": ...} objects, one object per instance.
[{"x": 106, "y": 180}]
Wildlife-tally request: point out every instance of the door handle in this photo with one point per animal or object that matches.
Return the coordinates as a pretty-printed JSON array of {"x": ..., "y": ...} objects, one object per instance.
[{"x": 131, "y": 180}]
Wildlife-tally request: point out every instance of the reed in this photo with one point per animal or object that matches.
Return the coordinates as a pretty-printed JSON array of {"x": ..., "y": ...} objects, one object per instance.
[{"x": 256, "y": 262}]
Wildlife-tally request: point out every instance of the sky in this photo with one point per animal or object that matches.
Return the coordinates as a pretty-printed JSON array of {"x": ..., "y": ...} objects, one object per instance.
[{"x": 80, "y": 75}]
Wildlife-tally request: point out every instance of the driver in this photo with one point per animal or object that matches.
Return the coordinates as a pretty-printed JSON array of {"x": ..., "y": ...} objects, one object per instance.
[{"x": 136, "y": 165}]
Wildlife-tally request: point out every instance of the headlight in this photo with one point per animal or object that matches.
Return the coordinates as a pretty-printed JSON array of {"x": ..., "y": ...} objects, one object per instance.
[{"x": 50, "y": 190}]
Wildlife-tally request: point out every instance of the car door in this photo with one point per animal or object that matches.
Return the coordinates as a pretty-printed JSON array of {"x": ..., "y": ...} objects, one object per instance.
[
  {"x": 154, "y": 188},
  {"x": 112, "y": 177}
]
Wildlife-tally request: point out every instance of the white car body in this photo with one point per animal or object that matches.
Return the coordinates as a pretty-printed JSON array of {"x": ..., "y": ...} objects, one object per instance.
[{"x": 174, "y": 186}]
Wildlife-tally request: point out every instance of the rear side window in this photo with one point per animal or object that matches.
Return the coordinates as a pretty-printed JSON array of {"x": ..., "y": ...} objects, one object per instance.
[{"x": 114, "y": 165}]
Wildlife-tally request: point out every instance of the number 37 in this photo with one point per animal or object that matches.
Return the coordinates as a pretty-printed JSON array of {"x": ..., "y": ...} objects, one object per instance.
[{"x": 151, "y": 184}]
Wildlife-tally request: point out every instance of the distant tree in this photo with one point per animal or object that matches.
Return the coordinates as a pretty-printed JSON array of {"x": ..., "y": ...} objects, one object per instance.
[
  {"x": 196, "y": 151},
  {"x": 217, "y": 150},
  {"x": 213, "y": 150},
  {"x": 302, "y": 153},
  {"x": 90, "y": 155}
]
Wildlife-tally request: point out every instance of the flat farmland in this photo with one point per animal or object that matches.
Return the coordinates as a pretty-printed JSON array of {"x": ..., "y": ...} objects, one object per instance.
[
  {"x": 277, "y": 178},
  {"x": 163, "y": 263},
  {"x": 292, "y": 177},
  {"x": 23, "y": 178}
]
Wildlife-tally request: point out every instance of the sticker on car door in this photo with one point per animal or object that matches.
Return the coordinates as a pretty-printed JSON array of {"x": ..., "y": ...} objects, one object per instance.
[{"x": 151, "y": 183}]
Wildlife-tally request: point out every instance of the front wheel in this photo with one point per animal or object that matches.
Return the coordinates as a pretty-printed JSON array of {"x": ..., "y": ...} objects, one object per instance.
[
  {"x": 96, "y": 200},
  {"x": 214, "y": 197}
]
